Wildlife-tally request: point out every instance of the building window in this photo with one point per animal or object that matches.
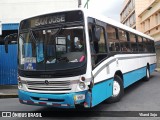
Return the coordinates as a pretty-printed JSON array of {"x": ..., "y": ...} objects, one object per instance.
[
  {"x": 133, "y": 3},
  {"x": 148, "y": 24},
  {"x": 156, "y": 19},
  {"x": 134, "y": 18},
  {"x": 127, "y": 22},
  {"x": 130, "y": 6},
  {"x": 143, "y": 26},
  {"x": 159, "y": 18}
]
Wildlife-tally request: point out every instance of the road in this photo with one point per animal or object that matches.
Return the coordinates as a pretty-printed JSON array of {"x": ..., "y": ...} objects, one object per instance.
[{"x": 141, "y": 96}]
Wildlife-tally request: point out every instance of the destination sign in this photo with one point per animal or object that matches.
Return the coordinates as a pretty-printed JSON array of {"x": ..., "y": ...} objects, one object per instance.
[
  {"x": 49, "y": 20},
  {"x": 53, "y": 18}
]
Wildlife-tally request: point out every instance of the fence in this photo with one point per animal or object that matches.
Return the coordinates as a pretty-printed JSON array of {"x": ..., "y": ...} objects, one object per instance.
[{"x": 8, "y": 65}]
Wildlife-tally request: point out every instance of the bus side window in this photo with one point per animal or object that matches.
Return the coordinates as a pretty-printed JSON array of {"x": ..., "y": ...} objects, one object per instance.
[
  {"x": 140, "y": 44},
  {"x": 125, "y": 46},
  {"x": 151, "y": 46},
  {"x": 97, "y": 46},
  {"x": 112, "y": 39},
  {"x": 133, "y": 41},
  {"x": 145, "y": 45}
]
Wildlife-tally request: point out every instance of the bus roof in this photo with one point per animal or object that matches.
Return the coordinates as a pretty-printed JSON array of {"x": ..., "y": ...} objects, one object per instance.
[
  {"x": 116, "y": 24},
  {"x": 102, "y": 18}
]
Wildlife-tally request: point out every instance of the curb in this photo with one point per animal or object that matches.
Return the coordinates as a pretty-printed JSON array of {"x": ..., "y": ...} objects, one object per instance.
[{"x": 8, "y": 96}]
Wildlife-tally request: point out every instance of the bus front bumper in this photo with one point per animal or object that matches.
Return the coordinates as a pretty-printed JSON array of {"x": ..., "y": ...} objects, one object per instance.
[{"x": 68, "y": 100}]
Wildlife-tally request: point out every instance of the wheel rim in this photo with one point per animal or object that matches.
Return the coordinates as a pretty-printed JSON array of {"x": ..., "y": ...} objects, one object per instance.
[
  {"x": 116, "y": 88},
  {"x": 147, "y": 73}
]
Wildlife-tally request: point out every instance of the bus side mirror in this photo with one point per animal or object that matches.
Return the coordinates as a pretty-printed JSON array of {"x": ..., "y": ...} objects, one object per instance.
[{"x": 96, "y": 34}]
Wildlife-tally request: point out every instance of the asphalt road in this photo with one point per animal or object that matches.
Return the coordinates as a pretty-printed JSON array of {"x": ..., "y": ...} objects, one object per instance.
[{"x": 141, "y": 96}]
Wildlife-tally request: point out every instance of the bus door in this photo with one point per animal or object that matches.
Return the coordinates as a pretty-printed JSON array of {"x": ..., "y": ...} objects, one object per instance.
[{"x": 103, "y": 89}]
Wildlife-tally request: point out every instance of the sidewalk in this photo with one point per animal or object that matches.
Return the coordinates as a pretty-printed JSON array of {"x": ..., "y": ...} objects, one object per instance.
[
  {"x": 8, "y": 91},
  {"x": 157, "y": 69}
]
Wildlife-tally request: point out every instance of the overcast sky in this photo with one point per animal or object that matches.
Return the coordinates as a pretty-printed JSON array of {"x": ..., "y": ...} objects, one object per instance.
[{"x": 109, "y": 8}]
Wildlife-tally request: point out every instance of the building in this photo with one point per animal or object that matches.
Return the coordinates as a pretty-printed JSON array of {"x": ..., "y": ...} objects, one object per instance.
[
  {"x": 144, "y": 16},
  {"x": 130, "y": 11},
  {"x": 150, "y": 19},
  {"x": 13, "y": 11},
  {"x": 150, "y": 24}
]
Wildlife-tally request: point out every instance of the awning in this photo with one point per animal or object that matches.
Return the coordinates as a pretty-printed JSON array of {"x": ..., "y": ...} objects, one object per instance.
[{"x": 10, "y": 26}]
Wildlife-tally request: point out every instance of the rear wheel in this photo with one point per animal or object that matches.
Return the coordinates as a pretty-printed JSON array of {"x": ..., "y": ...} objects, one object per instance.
[{"x": 118, "y": 90}]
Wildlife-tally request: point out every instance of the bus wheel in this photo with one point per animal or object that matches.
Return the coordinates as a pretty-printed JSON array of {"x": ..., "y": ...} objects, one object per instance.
[
  {"x": 118, "y": 90},
  {"x": 147, "y": 77}
]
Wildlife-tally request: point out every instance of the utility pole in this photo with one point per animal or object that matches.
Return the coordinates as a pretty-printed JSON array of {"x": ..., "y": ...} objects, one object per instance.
[{"x": 86, "y": 5}]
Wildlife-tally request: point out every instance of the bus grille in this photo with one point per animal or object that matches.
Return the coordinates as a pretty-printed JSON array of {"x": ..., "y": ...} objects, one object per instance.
[{"x": 49, "y": 85}]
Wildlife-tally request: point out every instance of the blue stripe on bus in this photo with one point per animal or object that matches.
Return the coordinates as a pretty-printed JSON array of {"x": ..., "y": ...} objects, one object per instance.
[
  {"x": 102, "y": 91},
  {"x": 133, "y": 76},
  {"x": 68, "y": 98},
  {"x": 152, "y": 67}
]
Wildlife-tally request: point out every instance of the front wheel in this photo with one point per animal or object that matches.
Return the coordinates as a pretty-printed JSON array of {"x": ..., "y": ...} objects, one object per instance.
[{"x": 118, "y": 90}]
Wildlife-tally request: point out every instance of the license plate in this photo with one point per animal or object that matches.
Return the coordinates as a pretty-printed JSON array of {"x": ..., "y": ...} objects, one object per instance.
[{"x": 80, "y": 97}]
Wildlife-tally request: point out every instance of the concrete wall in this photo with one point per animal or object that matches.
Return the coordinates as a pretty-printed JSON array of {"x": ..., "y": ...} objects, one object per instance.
[
  {"x": 140, "y": 5},
  {"x": 13, "y": 11},
  {"x": 150, "y": 20}
]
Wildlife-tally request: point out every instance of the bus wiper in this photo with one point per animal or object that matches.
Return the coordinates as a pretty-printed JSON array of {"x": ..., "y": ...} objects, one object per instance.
[{"x": 32, "y": 36}]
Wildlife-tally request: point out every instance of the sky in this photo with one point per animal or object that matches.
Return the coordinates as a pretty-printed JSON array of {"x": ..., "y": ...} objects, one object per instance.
[{"x": 109, "y": 8}]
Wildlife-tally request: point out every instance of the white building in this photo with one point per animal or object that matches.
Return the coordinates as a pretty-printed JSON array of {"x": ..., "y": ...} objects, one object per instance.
[{"x": 13, "y": 11}]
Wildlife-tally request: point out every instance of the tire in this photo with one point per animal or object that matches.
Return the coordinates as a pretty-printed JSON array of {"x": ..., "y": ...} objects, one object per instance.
[
  {"x": 118, "y": 90},
  {"x": 147, "y": 77}
]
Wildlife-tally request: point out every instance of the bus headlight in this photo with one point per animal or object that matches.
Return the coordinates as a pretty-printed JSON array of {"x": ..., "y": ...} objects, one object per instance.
[{"x": 82, "y": 85}]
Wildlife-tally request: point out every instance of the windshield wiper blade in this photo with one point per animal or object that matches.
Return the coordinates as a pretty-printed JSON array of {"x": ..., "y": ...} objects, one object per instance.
[{"x": 32, "y": 36}]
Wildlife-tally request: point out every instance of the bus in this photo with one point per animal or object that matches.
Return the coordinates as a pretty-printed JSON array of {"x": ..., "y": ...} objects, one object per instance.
[{"x": 74, "y": 58}]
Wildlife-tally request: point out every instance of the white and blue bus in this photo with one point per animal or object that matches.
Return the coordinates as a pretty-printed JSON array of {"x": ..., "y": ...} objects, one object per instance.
[{"x": 71, "y": 58}]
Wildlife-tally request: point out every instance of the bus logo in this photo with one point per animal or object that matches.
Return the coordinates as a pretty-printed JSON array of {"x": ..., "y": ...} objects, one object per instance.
[{"x": 46, "y": 82}]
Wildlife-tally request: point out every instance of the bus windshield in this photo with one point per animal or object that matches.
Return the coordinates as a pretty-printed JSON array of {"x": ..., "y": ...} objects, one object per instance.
[{"x": 56, "y": 48}]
